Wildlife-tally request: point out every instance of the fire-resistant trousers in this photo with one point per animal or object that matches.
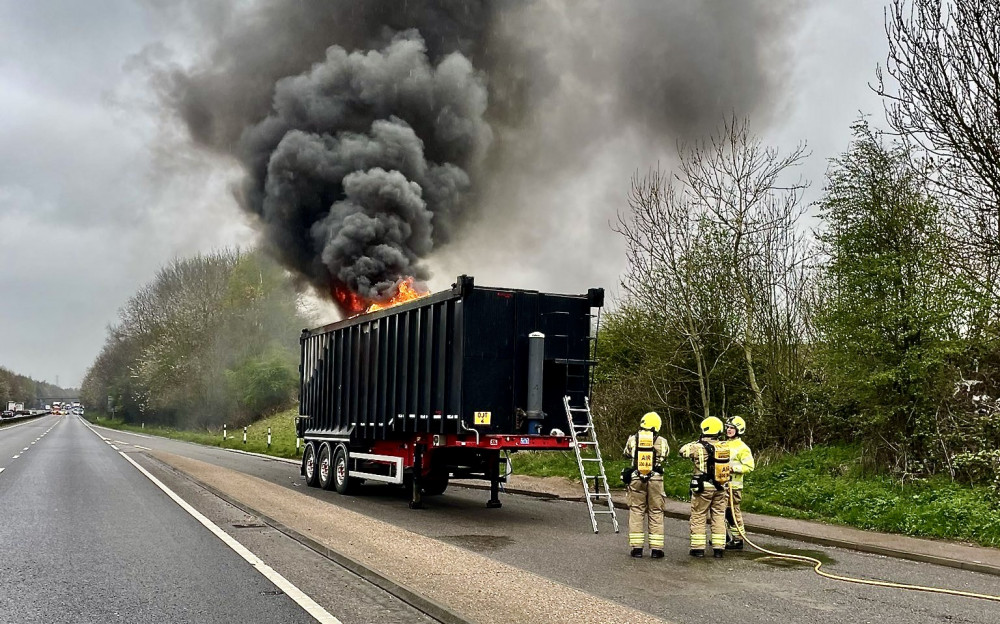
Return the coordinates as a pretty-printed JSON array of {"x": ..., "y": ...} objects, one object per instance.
[
  {"x": 708, "y": 506},
  {"x": 645, "y": 508},
  {"x": 734, "y": 516}
]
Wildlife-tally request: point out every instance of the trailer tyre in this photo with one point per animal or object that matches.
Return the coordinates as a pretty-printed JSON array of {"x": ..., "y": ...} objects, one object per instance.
[
  {"x": 310, "y": 467},
  {"x": 435, "y": 484},
  {"x": 325, "y": 468},
  {"x": 343, "y": 483}
]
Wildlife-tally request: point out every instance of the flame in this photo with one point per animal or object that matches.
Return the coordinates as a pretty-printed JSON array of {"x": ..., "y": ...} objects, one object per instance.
[
  {"x": 353, "y": 304},
  {"x": 405, "y": 291}
]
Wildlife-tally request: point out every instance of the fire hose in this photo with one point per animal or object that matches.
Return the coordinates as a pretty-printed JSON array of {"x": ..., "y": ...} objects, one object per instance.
[{"x": 817, "y": 564}]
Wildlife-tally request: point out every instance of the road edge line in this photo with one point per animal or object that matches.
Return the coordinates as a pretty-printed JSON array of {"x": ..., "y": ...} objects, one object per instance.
[
  {"x": 300, "y": 598},
  {"x": 416, "y": 600}
]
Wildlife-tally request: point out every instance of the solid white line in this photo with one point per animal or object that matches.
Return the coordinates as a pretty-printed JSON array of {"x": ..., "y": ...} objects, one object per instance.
[
  {"x": 293, "y": 592},
  {"x": 138, "y": 435},
  {"x": 115, "y": 447},
  {"x": 308, "y": 604}
]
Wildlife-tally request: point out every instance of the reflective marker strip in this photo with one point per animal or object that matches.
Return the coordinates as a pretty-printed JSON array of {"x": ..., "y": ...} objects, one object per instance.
[{"x": 293, "y": 592}]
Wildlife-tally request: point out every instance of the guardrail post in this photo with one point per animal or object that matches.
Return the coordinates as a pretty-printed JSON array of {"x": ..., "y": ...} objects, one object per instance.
[{"x": 244, "y": 435}]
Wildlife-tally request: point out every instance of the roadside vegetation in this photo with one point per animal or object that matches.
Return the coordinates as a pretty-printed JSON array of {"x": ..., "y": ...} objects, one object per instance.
[{"x": 282, "y": 425}]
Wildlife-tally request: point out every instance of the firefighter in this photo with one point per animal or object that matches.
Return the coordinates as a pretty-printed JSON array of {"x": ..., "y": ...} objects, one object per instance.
[
  {"x": 741, "y": 462},
  {"x": 710, "y": 456},
  {"x": 644, "y": 486}
]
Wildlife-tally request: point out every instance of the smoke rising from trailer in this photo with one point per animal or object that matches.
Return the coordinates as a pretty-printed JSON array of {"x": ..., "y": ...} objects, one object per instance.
[{"x": 375, "y": 133}]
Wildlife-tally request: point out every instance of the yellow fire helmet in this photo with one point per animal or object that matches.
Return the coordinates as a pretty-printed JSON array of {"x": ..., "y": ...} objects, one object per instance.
[
  {"x": 711, "y": 426},
  {"x": 738, "y": 424},
  {"x": 651, "y": 420}
]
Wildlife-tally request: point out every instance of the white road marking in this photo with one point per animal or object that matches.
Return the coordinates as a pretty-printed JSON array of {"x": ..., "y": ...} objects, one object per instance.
[
  {"x": 115, "y": 447},
  {"x": 24, "y": 449},
  {"x": 16, "y": 456},
  {"x": 120, "y": 442},
  {"x": 1, "y": 469},
  {"x": 308, "y": 604},
  {"x": 142, "y": 447}
]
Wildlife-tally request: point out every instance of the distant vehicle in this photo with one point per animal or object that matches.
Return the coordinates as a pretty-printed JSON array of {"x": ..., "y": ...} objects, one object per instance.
[{"x": 7, "y": 414}]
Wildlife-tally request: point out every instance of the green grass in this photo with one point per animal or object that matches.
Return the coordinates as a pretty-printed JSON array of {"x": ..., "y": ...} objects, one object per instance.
[
  {"x": 827, "y": 484},
  {"x": 282, "y": 427}
]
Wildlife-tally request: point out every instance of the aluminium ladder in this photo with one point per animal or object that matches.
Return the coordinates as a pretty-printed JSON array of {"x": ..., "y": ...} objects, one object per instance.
[{"x": 585, "y": 436}]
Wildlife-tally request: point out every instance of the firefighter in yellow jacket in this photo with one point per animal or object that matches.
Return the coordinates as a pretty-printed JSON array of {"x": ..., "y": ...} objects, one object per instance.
[
  {"x": 741, "y": 462},
  {"x": 710, "y": 456},
  {"x": 644, "y": 481}
]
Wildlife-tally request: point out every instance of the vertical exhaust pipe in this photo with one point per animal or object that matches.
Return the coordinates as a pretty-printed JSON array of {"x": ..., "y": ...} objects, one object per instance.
[{"x": 536, "y": 361}]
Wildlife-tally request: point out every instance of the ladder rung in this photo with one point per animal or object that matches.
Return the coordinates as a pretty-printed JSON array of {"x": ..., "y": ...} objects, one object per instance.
[
  {"x": 578, "y": 409},
  {"x": 600, "y": 493},
  {"x": 601, "y": 511},
  {"x": 586, "y": 442},
  {"x": 589, "y": 459}
]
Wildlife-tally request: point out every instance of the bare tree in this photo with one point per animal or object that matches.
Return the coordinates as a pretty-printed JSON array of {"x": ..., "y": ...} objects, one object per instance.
[
  {"x": 945, "y": 58},
  {"x": 737, "y": 179}
]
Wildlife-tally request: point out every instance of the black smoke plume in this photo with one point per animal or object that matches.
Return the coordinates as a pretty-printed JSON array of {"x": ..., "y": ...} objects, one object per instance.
[{"x": 373, "y": 132}]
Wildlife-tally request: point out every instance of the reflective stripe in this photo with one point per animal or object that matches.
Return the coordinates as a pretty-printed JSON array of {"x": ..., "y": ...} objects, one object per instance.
[
  {"x": 699, "y": 540},
  {"x": 656, "y": 540},
  {"x": 718, "y": 539},
  {"x": 636, "y": 539}
]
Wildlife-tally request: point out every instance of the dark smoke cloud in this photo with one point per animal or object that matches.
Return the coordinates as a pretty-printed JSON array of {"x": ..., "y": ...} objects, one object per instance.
[{"x": 373, "y": 132}]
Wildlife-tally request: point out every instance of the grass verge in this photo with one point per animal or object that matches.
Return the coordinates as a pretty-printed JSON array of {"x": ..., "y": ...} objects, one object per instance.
[
  {"x": 282, "y": 427},
  {"x": 828, "y": 484}
]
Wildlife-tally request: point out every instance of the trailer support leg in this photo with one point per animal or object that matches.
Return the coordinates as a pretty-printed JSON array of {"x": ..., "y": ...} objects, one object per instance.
[
  {"x": 418, "y": 478},
  {"x": 494, "y": 472}
]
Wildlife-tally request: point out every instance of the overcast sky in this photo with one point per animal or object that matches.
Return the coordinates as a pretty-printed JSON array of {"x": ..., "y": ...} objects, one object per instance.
[{"x": 97, "y": 190}]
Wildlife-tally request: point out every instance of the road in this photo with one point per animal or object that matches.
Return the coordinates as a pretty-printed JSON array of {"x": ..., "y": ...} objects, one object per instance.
[
  {"x": 552, "y": 539},
  {"x": 86, "y": 537}
]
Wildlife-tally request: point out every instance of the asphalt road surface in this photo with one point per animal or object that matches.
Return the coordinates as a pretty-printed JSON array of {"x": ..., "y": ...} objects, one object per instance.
[
  {"x": 86, "y": 537},
  {"x": 553, "y": 539}
]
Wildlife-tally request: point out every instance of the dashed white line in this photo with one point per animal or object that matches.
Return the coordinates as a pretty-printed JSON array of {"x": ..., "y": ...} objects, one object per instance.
[
  {"x": 142, "y": 447},
  {"x": 16, "y": 456}
]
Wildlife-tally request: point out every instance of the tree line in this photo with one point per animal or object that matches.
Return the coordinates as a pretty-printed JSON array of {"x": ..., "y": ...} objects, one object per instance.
[
  {"x": 22, "y": 389},
  {"x": 211, "y": 340},
  {"x": 881, "y": 328}
]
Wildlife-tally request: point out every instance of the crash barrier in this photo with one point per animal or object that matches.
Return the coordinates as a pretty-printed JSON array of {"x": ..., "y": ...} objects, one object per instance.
[{"x": 817, "y": 564}]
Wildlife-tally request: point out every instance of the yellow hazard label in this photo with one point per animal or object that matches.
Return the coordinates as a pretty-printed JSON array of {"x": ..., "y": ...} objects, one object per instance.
[
  {"x": 483, "y": 418},
  {"x": 645, "y": 462}
]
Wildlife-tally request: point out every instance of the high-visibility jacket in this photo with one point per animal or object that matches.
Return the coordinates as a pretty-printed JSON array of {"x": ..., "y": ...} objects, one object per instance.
[{"x": 740, "y": 461}]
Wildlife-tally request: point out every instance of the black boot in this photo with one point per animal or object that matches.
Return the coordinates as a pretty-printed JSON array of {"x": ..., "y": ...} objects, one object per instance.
[
  {"x": 718, "y": 553},
  {"x": 697, "y": 552},
  {"x": 736, "y": 544},
  {"x": 637, "y": 553},
  {"x": 656, "y": 554}
]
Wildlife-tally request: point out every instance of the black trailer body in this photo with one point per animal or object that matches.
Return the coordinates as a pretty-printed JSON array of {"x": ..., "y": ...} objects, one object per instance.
[{"x": 442, "y": 382}]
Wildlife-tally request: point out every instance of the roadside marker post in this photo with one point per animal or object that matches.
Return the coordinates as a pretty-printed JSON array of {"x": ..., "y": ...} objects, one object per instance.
[
  {"x": 268, "y": 437},
  {"x": 224, "y": 432},
  {"x": 244, "y": 435},
  {"x": 297, "y": 439}
]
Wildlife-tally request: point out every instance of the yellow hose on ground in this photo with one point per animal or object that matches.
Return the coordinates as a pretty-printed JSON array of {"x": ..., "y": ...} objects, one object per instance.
[{"x": 850, "y": 579}]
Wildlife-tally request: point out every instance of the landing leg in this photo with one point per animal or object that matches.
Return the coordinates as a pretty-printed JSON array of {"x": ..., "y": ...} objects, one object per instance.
[
  {"x": 494, "y": 472},
  {"x": 418, "y": 468}
]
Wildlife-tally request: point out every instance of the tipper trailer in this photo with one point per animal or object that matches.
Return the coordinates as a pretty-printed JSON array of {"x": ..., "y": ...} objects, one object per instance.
[{"x": 441, "y": 386}]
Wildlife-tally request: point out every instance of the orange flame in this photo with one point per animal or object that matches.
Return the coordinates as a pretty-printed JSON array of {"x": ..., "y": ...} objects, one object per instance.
[
  {"x": 353, "y": 304},
  {"x": 405, "y": 291}
]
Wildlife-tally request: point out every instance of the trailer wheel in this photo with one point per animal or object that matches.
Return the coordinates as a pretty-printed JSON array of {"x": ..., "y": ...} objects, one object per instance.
[
  {"x": 435, "y": 484},
  {"x": 309, "y": 466},
  {"x": 325, "y": 467},
  {"x": 343, "y": 483}
]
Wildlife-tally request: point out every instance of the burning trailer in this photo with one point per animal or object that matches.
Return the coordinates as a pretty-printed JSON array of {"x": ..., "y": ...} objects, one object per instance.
[{"x": 439, "y": 387}]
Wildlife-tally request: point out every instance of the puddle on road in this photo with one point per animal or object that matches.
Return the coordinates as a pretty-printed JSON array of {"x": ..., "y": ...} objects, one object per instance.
[
  {"x": 478, "y": 543},
  {"x": 775, "y": 562}
]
